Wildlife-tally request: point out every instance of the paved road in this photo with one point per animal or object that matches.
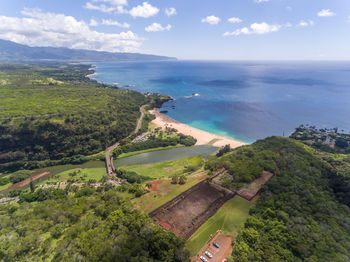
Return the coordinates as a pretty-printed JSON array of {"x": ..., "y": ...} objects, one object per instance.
[{"x": 109, "y": 159}]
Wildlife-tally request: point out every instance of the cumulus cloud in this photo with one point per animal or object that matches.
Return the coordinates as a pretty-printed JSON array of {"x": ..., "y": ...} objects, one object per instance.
[
  {"x": 212, "y": 19},
  {"x": 234, "y": 20},
  {"x": 155, "y": 27},
  {"x": 170, "y": 11},
  {"x": 40, "y": 28},
  {"x": 145, "y": 10},
  {"x": 255, "y": 28},
  {"x": 304, "y": 23},
  {"x": 93, "y": 22},
  {"x": 325, "y": 13},
  {"x": 115, "y": 23}
]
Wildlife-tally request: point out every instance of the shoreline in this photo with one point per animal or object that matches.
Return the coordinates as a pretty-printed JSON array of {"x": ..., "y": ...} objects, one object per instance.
[
  {"x": 90, "y": 75},
  {"x": 203, "y": 137}
]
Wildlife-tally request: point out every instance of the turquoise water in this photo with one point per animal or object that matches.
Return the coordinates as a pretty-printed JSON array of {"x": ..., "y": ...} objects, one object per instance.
[
  {"x": 243, "y": 100},
  {"x": 166, "y": 155}
]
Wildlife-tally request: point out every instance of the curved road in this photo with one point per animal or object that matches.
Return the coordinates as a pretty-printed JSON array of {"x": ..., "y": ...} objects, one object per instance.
[{"x": 109, "y": 159}]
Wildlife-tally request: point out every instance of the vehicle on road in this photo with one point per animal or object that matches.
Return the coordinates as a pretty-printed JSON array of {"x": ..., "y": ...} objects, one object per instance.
[
  {"x": 203, "y": 259},
  {"x": 216, "y": 245},
  {"x": 208, "y": 254}
]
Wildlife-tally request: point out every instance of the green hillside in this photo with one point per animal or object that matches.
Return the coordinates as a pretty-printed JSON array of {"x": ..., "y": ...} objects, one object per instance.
[
  {"x": 303, "y": 213},
  {"x": 52, "y": 111}
]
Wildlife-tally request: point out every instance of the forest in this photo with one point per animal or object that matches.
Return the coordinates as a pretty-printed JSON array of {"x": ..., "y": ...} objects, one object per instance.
[
  {"x": 52, "y": 113},
  {"x": 83, "y": 225},
  {"x": 301, "y": 214}
]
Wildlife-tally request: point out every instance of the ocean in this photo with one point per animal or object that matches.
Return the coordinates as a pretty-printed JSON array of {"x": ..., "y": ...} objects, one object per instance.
[{"x": 246, "y": 101}]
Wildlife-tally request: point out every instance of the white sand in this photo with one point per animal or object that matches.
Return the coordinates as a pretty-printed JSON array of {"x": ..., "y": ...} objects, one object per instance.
[{"x": 202, "y": 137}]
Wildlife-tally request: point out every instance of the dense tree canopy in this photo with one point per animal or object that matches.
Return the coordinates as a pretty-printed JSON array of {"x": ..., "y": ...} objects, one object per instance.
[
  {"x": 84, "y": 227},
  {"x": 299, "y": 216},
  {"x": 51, "y": 112}
]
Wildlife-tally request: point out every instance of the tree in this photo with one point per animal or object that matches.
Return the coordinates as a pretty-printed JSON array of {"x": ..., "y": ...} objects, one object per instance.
[
  {"x": 182, "y": 179},
  {"x": 174, "y": 179}
]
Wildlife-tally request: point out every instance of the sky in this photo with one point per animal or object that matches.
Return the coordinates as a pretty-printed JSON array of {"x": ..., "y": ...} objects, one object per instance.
[{"x": 186, "y": 29}]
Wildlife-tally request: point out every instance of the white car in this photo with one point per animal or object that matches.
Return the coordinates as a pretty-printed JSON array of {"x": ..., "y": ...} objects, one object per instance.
[
  {"x": 208, "y": 254},
  {"x": 203, "y": 259}
]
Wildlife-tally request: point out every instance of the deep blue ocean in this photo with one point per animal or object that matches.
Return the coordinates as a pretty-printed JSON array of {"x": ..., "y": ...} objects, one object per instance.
[{"x": 243, "y": 100}]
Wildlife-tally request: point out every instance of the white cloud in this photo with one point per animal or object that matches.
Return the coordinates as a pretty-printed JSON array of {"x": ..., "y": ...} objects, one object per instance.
[
  {"x": 255, "y": 28},
  {"x": 212, "y": 19},
  {"x": 325, "y": 13},
  {"x": 170, "y": 11},
  {"x": 115, "y": 23},
  {"x": 102, "y": 8},
  {"x": 113, "y": 2},
  {"x": 106, "y": 9},
  {"x": 288, "y": 25},
  {"x": 234, "y": 20},
  {"x": 145, "y": 10},
  {"x": 40, "y": 28},
  {"x": 155, "y": 27},
  {"x": 304, "y": 23},
  {"x": 93, "y": 22},
  {"x": 260, "y": 1}
]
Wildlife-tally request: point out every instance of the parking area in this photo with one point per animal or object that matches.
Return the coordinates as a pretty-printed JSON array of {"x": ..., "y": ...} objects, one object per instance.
[{"x": 219, "y": 254}]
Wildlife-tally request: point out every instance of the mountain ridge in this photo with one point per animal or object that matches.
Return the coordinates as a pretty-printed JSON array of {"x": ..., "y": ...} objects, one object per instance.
[{"x": 11, "y": 51}]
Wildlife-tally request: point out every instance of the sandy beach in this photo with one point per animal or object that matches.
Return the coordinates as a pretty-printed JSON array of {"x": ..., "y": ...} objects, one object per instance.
[
  {"x": 202, "y": 137},
  {"x": 90, "y": 75}
]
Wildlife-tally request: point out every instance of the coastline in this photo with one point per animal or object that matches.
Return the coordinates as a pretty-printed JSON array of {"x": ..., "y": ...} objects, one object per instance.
[
  {"x": 90, "y": 75},
  {"x": 203, "y": 137}
]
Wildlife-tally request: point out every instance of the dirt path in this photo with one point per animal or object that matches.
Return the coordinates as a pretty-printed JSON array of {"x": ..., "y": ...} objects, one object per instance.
[
  {"x": 109, "y": 159},
  {"x": 27, "y": 181}
]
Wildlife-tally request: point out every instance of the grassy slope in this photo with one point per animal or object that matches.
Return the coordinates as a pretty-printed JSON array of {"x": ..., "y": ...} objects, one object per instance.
[
  {"x": 90, "y": 173},
  {"x": 5, "y": 186},
  {"x": 145, "y": 151},
  {"x": 165, "y": 192},
  {"x": 230, "y": 217},
  {"x": 164, "y": 169},
  {"x": 56, "y": 170}
]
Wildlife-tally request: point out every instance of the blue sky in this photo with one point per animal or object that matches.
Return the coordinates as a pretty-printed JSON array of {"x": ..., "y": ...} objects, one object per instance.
[{"x": 187, "y": 29}]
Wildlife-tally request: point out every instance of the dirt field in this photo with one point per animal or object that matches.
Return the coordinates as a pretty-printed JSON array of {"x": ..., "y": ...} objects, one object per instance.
[
  {"x": 188, "y": 211},
  {"x": 27, "y": 181},
  {"x": 252, "y": 190},
  {"x": 219, "y": 254}
]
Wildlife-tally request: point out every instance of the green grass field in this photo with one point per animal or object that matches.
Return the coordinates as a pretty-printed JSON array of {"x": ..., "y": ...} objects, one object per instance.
[
  {"x": 7, "y": 185},
  {"x": 84, "y": 175},
  {"x": 229, "y": 218},
  {"x": 145, "y": 151},
  {"x": 164, "y": 192},
  {"x": 164, "y": 169}
]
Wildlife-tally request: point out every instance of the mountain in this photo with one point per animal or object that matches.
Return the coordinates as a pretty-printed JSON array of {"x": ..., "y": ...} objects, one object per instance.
[{"x": 11, "y": 51}]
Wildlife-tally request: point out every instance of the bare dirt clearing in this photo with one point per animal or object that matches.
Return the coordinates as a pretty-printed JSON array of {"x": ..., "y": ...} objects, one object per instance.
[
  {"x": 188, "y": 211},
  {"x": 252, "y": 190}
]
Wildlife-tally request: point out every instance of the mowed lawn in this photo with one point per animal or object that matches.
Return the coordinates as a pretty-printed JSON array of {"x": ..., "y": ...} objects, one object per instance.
[
  {"x": 163, "y": 191},
  {"x": 164, "y": 169},
  {"x": 85, "y": 174},
  {"x": 229, "y": 218}
]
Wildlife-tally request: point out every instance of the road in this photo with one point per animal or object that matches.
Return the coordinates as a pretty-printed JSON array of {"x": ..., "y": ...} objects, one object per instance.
[{"x": 109, "y": 159}]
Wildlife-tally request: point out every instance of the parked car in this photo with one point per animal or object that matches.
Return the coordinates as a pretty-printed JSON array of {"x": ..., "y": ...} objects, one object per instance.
[
  {"x": 216, "y": 245},
  {"x": 203, "y": 259},
  {"x": 208, "y": 254}
]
